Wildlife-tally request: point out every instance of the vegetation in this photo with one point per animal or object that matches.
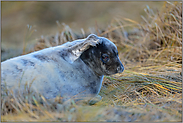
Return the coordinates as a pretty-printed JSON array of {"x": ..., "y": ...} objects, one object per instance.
[{"x": 149, "y": 89}]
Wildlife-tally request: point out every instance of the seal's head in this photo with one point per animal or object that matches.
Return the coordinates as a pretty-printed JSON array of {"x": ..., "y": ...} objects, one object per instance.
[{"x": 103, "y": 58}]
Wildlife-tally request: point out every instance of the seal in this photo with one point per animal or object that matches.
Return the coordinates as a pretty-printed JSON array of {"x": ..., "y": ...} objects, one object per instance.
[{"x": 72, "y": 70}]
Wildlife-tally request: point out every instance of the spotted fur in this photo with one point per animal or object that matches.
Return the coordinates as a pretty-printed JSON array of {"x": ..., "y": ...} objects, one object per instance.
[{"x": 74, "y": 68}]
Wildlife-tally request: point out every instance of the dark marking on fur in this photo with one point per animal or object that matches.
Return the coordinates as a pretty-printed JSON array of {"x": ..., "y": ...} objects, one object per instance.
[
  {"x": 27, "y": 62},
  {"x": 93, "y": 87},
  {"x": 63, "y": 54},
  {"x": 41, "y": 57},
  {"x": 72, "y": 73},
  {"x": 57, "y": 86},
  {"x": 18, "y": 70},
  {"x": 44, "y": 58}
]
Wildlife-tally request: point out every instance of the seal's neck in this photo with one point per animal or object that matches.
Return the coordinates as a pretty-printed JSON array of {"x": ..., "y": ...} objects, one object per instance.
[{"x": 90, "y": 58}]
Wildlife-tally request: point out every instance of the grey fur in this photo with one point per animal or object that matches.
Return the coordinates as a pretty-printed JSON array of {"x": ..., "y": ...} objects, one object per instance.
[{"x": 72, "y": 69}]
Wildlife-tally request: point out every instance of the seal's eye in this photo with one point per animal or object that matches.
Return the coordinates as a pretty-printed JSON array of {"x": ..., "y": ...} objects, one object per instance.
[{"x": 105, "y": 58}]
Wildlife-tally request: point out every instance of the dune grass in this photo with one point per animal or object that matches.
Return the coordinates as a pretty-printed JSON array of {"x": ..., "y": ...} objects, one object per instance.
[{"x": 149, "y": 89}]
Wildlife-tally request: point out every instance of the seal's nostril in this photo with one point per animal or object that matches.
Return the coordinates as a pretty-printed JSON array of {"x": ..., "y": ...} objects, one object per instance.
[{"x": 120, "y": 69}]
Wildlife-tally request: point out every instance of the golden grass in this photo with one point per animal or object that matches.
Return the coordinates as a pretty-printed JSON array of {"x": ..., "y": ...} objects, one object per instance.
[{"x": 149, "y": 89}]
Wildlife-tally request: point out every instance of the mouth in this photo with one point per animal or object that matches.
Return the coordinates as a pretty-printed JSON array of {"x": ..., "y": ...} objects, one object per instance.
[{"x": 120, "y": 69}]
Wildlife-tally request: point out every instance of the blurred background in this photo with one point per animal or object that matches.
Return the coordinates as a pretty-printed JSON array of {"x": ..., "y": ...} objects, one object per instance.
[
  {"x": 148, "y": 36},
  {"x": 42, "y": 16}
]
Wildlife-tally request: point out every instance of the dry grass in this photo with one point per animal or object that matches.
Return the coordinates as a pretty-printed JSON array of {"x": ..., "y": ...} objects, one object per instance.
[{"x": 150, "y": 88}]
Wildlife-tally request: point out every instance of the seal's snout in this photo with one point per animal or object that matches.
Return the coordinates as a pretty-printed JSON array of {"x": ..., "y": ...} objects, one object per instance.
[{"x": 120, "y": 69}]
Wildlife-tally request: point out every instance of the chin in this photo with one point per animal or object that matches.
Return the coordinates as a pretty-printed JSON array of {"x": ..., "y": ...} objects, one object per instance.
[{"x": 112, "y": 73}]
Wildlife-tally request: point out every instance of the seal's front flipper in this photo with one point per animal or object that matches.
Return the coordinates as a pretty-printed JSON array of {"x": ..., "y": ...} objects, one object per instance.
[
  {"x": 95, "y": 100},
  {"x": 77, "y": 49}
]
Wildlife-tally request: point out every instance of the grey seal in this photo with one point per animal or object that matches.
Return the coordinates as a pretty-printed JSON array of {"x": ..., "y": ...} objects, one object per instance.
[{"x": 72, "y": 70}]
